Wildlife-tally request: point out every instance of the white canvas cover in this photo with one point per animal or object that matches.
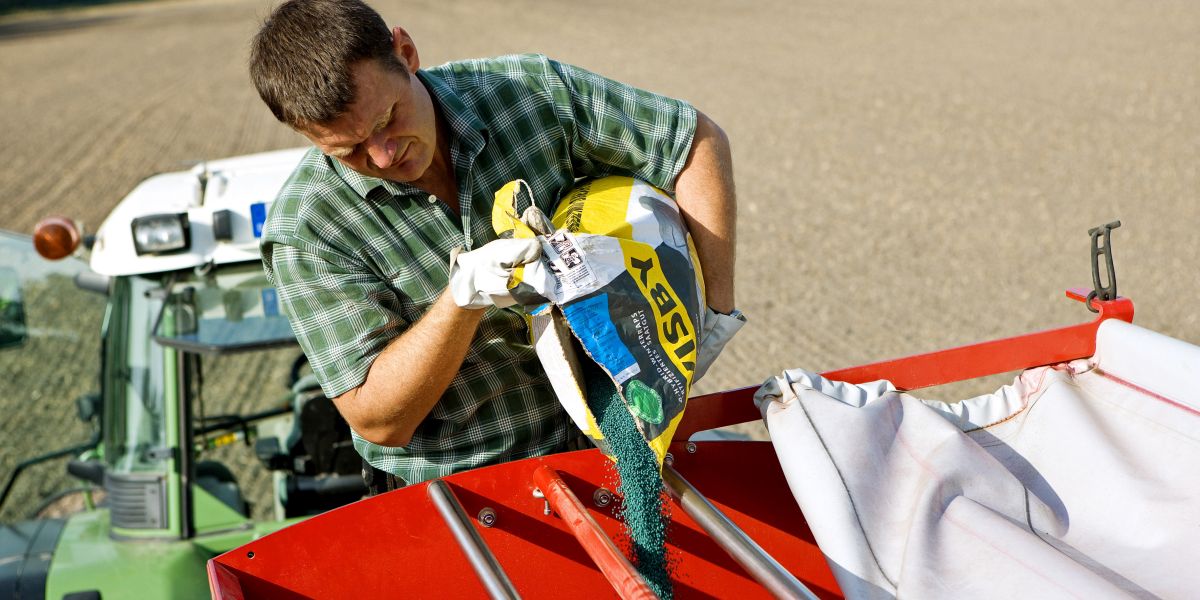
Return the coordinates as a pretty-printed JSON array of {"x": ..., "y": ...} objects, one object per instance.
[{"x": 1080, "y": 480}]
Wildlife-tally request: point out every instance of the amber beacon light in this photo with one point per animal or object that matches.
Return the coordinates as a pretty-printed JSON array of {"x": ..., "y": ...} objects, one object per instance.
[{"x": 56, "y": 237}]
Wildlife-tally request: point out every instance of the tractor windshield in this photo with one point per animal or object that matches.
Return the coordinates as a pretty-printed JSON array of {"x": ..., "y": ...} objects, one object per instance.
[{"x": 228, "y": 309}]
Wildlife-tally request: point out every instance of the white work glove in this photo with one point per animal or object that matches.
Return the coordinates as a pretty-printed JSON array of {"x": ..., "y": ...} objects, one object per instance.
[
  {"x": 479, "y": 278},
  {"x": 716, "y": 330}
]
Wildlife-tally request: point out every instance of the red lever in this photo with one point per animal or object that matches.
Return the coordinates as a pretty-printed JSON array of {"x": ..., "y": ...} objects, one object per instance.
[{"x": 627, "y": 582}]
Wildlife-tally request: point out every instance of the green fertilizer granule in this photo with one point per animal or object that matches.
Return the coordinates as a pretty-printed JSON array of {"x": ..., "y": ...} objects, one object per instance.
[{"x": 641, "y": 481}]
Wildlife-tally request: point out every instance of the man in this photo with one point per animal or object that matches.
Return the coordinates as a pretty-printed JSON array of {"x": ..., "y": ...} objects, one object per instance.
[{"x": 431, "y": 377}]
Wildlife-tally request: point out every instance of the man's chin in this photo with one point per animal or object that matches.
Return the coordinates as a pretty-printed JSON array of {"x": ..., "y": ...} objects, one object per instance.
[
  {"x": 398, "y": 175},
  {"x": 406, "y": 171}
]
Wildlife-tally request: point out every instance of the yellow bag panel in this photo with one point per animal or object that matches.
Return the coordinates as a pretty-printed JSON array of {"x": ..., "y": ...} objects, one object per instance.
[{"x": 597, "y": 207}]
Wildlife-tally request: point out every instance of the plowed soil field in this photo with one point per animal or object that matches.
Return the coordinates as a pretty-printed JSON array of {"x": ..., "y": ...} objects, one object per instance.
[{"x": 912, "y": 175}]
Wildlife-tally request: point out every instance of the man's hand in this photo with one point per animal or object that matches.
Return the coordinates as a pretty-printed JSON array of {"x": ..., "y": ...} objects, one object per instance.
[
  {"x": 479, "y": 278},
  {"x": 715, "y": 331}
]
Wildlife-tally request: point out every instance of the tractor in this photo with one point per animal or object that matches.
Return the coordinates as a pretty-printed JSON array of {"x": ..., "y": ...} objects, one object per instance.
[{"x": 187, "y": 325}]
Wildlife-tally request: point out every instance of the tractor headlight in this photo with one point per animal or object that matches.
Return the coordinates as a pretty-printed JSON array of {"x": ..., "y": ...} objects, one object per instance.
[{"x": 161, "y": 234}]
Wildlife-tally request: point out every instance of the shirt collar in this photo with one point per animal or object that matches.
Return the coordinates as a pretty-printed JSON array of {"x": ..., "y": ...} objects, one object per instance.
[
  {"x": 464, "y": 124},
  {"x": 462, "y": 119}
]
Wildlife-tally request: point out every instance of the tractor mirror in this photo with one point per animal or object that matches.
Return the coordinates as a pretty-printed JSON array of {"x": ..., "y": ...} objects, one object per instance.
[
  {"x": 87, "y": 406},
  {"x": 12, "y": 309}
]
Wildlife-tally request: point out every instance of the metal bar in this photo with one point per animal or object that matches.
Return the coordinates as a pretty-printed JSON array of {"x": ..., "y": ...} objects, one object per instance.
[
  {"x": 478, "y": 554},
  {"x": 760, "y": 565},
  {"x": 185, "y": 459},
  {"x": 627, "y": 582},
  {"x": 12, "y": 478},
  {"x": 238, "y": 421}
]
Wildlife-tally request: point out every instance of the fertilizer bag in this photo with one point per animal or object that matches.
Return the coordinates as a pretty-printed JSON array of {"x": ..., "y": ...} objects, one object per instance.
[{"x": 619, "y": 274}]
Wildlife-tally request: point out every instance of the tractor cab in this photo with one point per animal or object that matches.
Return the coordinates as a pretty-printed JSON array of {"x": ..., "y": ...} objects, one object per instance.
[{"x": 197, "y": 393}]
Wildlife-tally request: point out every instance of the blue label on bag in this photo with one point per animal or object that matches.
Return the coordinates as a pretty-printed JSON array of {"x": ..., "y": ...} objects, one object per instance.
[{"x": 591, "y": 321}]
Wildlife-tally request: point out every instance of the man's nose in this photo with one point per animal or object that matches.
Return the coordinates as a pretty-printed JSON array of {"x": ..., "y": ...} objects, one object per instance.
[{"x": 381, "y": 150}]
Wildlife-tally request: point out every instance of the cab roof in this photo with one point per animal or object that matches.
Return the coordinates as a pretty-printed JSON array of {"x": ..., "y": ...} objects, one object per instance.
[{"x": 243, "y": 185}]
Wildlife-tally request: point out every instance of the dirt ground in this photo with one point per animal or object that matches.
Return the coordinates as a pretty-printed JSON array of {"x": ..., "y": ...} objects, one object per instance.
[{"x": 912, "y": 175}]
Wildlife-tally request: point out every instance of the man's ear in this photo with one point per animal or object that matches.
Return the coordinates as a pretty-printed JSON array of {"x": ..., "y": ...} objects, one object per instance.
[{"x": 405, "y": 49}]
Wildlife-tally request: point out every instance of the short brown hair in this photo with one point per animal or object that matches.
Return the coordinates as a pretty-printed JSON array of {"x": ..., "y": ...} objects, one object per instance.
[{"x": 301, "y": 58}]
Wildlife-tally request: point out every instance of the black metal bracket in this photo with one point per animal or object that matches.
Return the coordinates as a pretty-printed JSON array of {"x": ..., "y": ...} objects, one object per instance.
[
  {"x": 1102, "y": 292},
  {"x": 88, "y": 445}
]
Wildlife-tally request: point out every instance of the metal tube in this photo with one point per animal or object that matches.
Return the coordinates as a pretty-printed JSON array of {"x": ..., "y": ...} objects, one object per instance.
[
  {"x": 88, "y": 445},
  {"x": 185, "y": 458},
  {"x": 627, "y": 582},
  {"x": 760, "y": 565},
  {"x": 478, "y": 554}
]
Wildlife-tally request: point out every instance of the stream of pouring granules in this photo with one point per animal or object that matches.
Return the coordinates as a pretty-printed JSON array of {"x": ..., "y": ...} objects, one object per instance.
[{"x": 641, "y": 482}]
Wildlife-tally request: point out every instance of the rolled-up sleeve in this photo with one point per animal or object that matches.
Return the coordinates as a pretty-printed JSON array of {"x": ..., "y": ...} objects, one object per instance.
[{"x": 617, "y": 129}]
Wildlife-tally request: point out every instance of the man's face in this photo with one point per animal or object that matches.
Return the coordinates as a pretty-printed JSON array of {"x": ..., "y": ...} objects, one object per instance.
[{"x": 389, "y": 132}]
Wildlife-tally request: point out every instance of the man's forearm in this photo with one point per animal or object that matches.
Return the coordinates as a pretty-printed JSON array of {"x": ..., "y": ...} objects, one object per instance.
[
  {"x": 411, "y": 374},
  {"x": 705, "y": 194}
]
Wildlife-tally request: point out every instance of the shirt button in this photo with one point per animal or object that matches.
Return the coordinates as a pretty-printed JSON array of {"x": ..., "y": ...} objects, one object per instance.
[{"x": 432, "y": 198}]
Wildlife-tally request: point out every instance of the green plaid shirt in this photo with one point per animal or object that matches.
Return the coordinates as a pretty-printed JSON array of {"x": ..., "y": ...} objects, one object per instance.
[{"x": 357, "y": 259}]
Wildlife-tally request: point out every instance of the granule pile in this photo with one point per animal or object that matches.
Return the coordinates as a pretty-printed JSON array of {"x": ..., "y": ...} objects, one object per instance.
[{"x": 641, "y": 481}]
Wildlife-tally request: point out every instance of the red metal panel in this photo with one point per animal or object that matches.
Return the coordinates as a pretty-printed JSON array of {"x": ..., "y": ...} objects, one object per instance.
[
  {"x": 369, "y": 549},
  {"x": 223, "y": 582},
  {"x": 395, "y": 544}
]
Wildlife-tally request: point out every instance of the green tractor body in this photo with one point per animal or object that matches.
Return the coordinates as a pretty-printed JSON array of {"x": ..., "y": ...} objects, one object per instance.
[{"x": 188, "y": 325}]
